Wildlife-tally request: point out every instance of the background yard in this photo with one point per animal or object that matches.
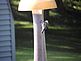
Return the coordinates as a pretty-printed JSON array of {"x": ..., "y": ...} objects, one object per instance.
[{"x": 63, "y": 37}]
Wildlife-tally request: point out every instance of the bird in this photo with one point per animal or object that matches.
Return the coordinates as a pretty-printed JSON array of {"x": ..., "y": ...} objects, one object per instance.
[{"x": 45, "y": 26}]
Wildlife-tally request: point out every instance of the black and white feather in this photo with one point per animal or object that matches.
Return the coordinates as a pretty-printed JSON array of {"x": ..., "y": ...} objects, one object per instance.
[{"x": 45, "y": 26}]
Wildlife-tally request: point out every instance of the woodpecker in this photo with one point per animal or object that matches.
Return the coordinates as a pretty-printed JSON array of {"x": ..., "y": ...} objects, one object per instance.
[{"x": 45, "y": 25}]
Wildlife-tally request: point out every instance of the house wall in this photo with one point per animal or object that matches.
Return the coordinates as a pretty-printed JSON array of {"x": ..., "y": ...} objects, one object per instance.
[{"x": 7, "y": 40}]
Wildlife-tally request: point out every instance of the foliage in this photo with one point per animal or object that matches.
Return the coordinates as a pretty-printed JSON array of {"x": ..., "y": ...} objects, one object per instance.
[{"x": 76, "y": 4}]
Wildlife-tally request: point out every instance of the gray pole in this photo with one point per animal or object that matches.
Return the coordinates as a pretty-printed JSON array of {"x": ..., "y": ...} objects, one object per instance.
[{"x": 39, "y": 37}]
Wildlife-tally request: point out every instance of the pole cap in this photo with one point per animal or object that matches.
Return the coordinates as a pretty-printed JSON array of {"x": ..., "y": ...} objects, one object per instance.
[{"x": 29, "y": 5}]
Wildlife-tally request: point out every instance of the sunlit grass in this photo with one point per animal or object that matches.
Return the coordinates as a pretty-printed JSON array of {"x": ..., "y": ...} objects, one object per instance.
[
  {"x": 57, "y": 27},
  {"x": 63, "y": 56},
  {"x": 24, "y": 54},
  {"x": 23, "y": 24},
  {"x": 27, "y": 54},
  {"x": 60, "y": 46},
  {"x": 51, "y": 13}
]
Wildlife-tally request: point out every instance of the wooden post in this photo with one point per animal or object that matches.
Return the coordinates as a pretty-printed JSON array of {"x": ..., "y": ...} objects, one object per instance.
[{"x": 39, "y": 37}]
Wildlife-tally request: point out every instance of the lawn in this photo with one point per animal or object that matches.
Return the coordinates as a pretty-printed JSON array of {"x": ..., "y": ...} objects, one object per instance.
[
  {"x": 26, "y": 54},
  {"x": 63, "y": 38},
  {"x": 62, "y": 44}
]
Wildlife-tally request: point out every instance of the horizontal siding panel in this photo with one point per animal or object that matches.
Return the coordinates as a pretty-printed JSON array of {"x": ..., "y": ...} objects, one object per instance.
[
  {"x": 3, "y": 1},
  {"x": 4, "y": 33},
  {"x": 5, "y": 54},
  {"x": 4, "y": 22},
  {"x": 5, "y": 38},
  {"x": 5, "y": 43},
  {"x": 5, "y": 27},
  {"x": 5, "y": 59},
  {"x": 4, "y": 6},
  {"x": 5, "y": 48},
  {"x": 4, "y": 17},
  {"x": 4, "y": 11}
]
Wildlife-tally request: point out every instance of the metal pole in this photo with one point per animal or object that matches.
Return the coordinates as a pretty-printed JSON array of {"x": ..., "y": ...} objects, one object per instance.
[{"x": 39, "y": 37}]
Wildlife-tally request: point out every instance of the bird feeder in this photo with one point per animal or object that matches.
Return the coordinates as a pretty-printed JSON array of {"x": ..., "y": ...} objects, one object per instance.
[{"x": 37, "y": 7}]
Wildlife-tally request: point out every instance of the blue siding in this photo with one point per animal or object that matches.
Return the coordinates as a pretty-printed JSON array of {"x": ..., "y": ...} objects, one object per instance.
[
  {"x": 5, "y": 27},
  {"x": 5, "y": 48},
  {"x": 3, "y": 33},
  {"x": 4, "y": 17},
  {"x": 4, "y": 22},
  {"x": 5, "y": 38},
  {"x": 4, "y": 6},
  {"x": 7, "y": 41},
  {"x": 5, "y": 54},
  {"x": 5, "y": 59},
  {"x": 3, "y": 1},
  {"x": 6, "y": 11}
]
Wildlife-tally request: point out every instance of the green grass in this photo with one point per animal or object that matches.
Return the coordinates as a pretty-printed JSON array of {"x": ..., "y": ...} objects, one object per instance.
[
  {"x": 63, "y": 42},
  {"x": 26, "y": 54},
  {"x": 26, "y": 24},
  {"x": 61, "y": 45},
  {"x": 63, "y": 56},
  {"x": 23, "y": 24}
]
